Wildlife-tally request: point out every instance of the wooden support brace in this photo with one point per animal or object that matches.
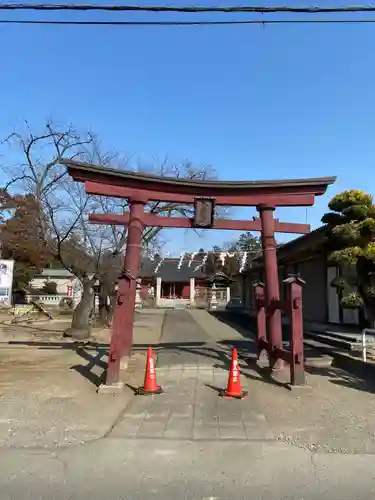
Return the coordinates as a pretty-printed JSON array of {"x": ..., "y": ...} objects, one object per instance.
[{"x": 183, "y": 222}]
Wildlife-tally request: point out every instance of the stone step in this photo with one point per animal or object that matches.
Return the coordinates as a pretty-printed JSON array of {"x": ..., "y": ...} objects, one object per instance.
[
  {"x": 352, "y": 337},
  {"x": 330, "y": 340},
  {"x": 354, "y": 352},
  {"x": 350, "y": 361},
  {"x": 322, "y": 347}
]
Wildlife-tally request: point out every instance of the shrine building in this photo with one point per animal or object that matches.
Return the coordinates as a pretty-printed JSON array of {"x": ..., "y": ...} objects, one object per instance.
[{"x": 170, "y": 283}]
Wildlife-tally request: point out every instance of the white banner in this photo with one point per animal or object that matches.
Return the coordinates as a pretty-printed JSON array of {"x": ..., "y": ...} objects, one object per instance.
[{"x": 6, "y": 281}]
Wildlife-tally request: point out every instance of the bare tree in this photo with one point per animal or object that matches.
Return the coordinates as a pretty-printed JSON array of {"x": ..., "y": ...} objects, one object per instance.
[
  {"x": 61, "y": 205},
  {"x": 92, "y": 253}
]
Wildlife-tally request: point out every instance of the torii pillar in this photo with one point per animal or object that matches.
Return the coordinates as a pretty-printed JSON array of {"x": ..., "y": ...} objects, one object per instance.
[
  {"x": 122, "y": 332},
  {"x": 272, "y": 292}
]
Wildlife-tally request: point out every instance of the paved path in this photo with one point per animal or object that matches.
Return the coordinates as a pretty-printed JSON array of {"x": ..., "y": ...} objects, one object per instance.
[
  {"x": 336, "y": 415},
  {"x": 181, "y": 341},
  {"x": 191, "y": 368}
]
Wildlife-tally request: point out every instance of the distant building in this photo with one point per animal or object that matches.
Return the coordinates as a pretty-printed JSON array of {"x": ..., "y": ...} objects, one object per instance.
[
  {"x": 67, "y": 285},
  {"x": 170, "y": 284},
  {"x": 306, "y": 256},
  {"x": 64, "y": 279},
  {"x": 164, "y": 284}
]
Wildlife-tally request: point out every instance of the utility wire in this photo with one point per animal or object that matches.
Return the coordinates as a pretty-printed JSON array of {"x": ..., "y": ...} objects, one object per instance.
[
  {"x": 187, "y": 9},
  {"x": 188, "y": 23}
]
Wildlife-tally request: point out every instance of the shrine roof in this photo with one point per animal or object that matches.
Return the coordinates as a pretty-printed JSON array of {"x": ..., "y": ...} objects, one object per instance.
[
  {"x": 169, "y": 271},
  {"x": 89, "y": 172}
]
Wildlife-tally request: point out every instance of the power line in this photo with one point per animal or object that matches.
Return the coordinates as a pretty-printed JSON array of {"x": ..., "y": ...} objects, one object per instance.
[
  {"x": 187, "y": 9},
  {"x": 188, "y": 23}
]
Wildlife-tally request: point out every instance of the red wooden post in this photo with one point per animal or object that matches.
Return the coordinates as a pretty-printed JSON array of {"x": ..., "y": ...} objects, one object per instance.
[
  {"x": 261, "y": 315},
  {"x": 297, "y": 367},
  {"x": 274, "y": 329},
  {"x": 122, "y": 332}
]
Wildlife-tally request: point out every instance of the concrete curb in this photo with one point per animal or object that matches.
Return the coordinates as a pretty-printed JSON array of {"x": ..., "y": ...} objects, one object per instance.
[{"x": 344, "y": 362}]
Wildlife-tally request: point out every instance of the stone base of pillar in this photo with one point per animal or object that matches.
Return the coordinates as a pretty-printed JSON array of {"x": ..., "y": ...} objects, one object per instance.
[
  {"x": 298, "y": 388},
  {"x": 263, "y": 361},
  {"x": 279, "y": 365},
  {"x": 111, "y": 389}
]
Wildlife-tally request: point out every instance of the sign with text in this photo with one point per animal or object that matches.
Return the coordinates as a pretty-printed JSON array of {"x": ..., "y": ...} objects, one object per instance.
[
  {"x": 204, "y": 210},
  {"x": 6, "y": 281}
]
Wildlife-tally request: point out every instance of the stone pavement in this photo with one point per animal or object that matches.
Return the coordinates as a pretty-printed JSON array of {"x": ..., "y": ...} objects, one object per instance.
[
  {"x": 191, "y": 368},
  {"x": 337, "y": 414}
]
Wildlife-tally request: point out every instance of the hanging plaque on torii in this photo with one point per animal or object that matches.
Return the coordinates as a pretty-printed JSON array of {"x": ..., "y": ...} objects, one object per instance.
[{"x": 204, "y": 213}]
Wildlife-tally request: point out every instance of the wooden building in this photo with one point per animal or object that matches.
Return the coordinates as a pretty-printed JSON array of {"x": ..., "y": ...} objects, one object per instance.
[
  {"x": 307, "y": 257},
  {"x": 170, "y": 284}
]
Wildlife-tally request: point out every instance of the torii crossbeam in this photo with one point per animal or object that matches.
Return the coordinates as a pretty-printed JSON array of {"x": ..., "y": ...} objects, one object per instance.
[{"x": 140, "y": 189}]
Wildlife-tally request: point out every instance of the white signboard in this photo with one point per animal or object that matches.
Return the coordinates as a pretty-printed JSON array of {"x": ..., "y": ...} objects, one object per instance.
[{"x": 6, "y": 281}]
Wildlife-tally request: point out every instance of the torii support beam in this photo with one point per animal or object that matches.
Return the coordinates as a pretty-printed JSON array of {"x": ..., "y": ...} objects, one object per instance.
[
  {"x": 185, "y": 223},
  {"x": 139, "y": 189}
]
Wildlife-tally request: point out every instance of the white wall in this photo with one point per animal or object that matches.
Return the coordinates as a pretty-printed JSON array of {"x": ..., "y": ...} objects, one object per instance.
[{"x": 62, "y": 283}]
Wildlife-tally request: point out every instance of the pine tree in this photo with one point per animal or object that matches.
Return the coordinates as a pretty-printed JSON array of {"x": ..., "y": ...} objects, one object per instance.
[{"x": 351, "y": 241}]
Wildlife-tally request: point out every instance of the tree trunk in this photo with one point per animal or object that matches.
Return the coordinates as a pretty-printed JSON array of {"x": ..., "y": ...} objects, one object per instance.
[
  {"x": 106, "y": 304},
  {"x": 81, "y": 325},
  {"x": 103, "y": 310},
  {"x": 103, "y": 305}
]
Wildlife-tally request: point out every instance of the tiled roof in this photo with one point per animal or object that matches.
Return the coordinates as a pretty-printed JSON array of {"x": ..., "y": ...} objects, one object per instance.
[
  {"x": 87, "y": 171},
  {"x": 54, "y": 273},
  {"x": 169, "y": 272}
]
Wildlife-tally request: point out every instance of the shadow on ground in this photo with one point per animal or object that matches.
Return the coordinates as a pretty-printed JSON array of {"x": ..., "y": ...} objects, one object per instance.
[
  {"x": 246, "y": 325},
  {"x": 94, "y": 355},
  {"x": 342, "y": 378}
]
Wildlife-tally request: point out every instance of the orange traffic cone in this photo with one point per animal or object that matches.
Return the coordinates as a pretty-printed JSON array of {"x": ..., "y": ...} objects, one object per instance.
[
  {"x": 234, "y": 389},
  {"x": 150, "y": 386}
]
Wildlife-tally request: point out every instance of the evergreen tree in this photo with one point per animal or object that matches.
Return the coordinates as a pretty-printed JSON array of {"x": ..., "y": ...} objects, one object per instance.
[{"x": 351, "y": 241}]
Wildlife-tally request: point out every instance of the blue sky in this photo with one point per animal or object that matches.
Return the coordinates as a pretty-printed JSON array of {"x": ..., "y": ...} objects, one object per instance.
[{"x": 254, "y": 102}]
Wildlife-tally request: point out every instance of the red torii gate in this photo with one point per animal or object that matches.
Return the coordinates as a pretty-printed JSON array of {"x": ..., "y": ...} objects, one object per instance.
[{"x": 140, "y": 189}]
